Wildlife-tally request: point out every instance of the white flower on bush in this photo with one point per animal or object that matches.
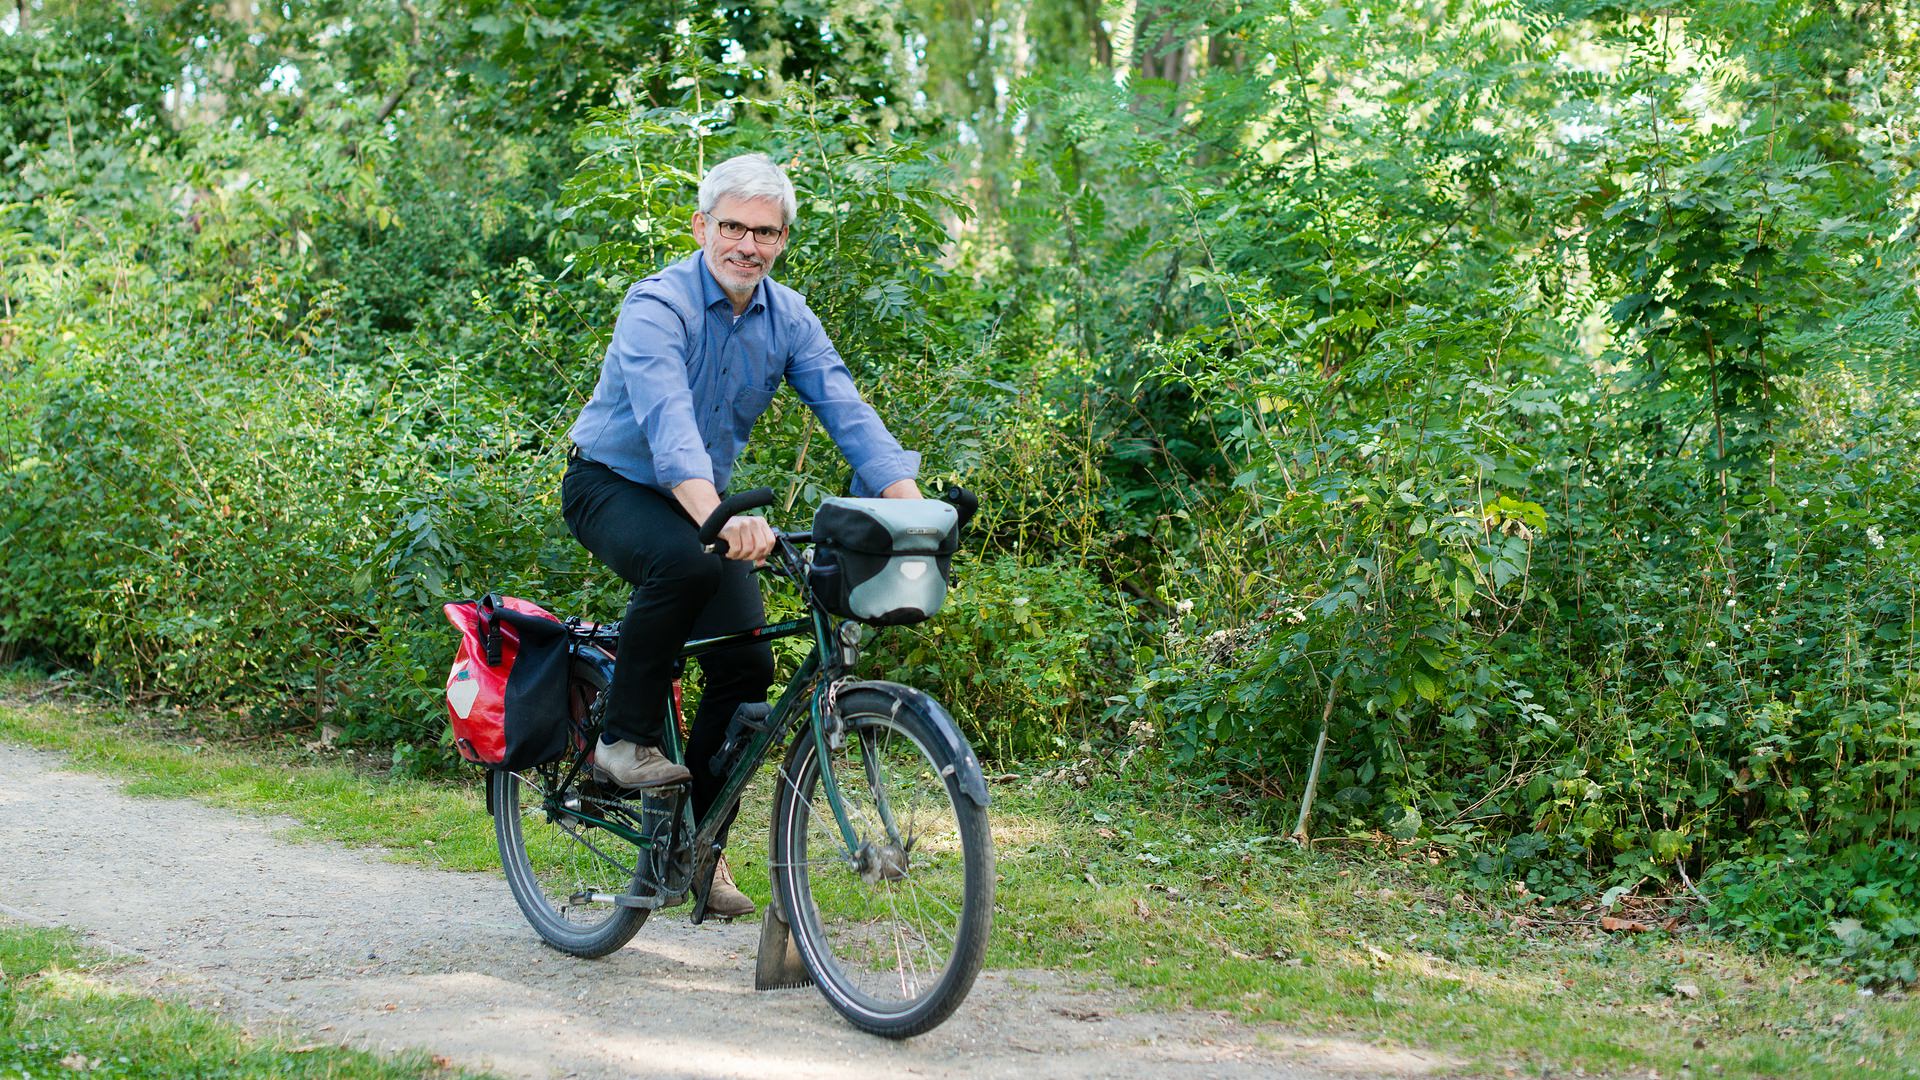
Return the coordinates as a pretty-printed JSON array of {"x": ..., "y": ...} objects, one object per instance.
[{"x": 1874, "y": 538}]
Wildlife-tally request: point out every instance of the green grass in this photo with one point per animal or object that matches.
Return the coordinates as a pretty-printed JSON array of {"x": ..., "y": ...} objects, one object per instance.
[
  {"x": 1188, "y": 903},
  {"x": 60, "y": 1017},
  {"x": 1189, "y": 906}
]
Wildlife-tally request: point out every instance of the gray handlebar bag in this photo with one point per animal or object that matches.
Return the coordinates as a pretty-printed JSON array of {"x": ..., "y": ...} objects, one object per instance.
[{"x": 883, "y": 561}]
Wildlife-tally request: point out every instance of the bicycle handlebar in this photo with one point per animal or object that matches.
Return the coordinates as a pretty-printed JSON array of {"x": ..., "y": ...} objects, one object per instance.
[
  {"x": 965, "y": 503},
  {"x": 728, "y": 508}
]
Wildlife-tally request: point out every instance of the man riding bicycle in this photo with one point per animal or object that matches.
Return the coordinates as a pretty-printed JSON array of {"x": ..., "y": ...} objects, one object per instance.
[{"x": 698, "y": 351}]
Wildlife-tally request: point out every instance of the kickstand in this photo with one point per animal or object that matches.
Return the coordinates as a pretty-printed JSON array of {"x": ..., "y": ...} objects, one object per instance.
[{"x": 702, "y": 887}]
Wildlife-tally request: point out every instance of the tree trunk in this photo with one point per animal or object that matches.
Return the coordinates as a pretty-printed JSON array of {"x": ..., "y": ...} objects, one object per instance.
[
  {"x": 224, "y": 62},
  {"x": 1102, "y": 43},
  {"x": 1159, "y": 50}
]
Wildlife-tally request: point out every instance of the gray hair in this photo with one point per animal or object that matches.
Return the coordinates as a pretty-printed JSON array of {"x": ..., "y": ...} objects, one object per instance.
[{"x": 749, "y": 176}]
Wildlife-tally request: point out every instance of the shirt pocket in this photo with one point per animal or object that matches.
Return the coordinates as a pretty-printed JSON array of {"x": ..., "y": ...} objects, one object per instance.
[{"x": 752, "y": 400}]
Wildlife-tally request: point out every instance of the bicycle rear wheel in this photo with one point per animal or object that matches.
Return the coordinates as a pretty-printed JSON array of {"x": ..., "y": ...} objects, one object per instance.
[
  {"x": 557, "y": 862},
  {"x": 895, "y": 931}
]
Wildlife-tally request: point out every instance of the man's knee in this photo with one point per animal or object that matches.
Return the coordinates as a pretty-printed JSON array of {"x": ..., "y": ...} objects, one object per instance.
[{"x": 689, "y": 580}]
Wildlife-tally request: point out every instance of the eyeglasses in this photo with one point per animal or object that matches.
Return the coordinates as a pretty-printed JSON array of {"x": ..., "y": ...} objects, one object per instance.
[{"x": 764, "y": 235}]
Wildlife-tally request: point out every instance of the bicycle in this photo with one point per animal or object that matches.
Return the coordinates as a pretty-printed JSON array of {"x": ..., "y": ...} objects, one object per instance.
[{"x": 881, "y": 860}]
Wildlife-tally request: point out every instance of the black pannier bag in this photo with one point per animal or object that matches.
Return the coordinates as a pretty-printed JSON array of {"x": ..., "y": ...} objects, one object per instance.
[{"x": 883, "y": 561}]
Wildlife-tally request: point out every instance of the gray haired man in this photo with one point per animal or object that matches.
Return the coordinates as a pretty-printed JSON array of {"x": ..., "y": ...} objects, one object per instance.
[{"x": 698, "y": 351}]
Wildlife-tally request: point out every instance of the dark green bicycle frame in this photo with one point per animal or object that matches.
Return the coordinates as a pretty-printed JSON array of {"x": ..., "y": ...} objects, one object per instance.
[
  {"x": 786, "y": 715},
  {"x": 807, "y": 684}
]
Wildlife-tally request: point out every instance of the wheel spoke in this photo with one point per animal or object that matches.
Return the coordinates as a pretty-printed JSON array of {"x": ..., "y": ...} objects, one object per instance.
[
  {"x": 894, "y": 937},
  {"x": 550, "y": 857}
]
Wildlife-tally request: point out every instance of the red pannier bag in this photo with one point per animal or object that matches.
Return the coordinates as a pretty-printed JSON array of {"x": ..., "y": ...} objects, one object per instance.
[{"x": 507, "y": 690}]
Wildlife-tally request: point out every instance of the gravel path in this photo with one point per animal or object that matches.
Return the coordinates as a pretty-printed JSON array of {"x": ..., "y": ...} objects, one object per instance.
[{"x": 343, "y": 947}]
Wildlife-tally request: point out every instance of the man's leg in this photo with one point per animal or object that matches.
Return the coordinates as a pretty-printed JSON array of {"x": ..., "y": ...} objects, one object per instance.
[
  {"x": 643, "y": 536},
  {"x": 729, "y": 678}
]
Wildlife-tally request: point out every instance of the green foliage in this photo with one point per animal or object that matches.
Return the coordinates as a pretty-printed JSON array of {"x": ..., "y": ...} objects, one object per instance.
[{"x": 1021, "y": 654}]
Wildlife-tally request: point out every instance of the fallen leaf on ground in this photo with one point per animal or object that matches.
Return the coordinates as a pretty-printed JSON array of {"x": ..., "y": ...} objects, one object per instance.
[{"x": 1616, "y": 924}]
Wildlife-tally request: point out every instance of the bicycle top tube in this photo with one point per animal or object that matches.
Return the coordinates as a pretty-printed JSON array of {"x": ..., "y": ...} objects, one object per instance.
[{"x": 608, "y": 633}]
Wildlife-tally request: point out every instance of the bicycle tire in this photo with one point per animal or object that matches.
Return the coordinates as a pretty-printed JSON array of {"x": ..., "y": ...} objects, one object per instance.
[
  {"x": 865, "y": 936},
  {"x": 550, "y": 859}
]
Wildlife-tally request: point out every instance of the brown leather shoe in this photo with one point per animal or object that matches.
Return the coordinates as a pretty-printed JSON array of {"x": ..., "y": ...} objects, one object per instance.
[
  {"x": 635, "y": 766},
  {"x": 725, "y": 898}
]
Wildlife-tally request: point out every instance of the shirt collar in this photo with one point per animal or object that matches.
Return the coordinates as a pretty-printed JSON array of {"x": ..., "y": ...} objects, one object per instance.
[{"x": 711, "y": 293}]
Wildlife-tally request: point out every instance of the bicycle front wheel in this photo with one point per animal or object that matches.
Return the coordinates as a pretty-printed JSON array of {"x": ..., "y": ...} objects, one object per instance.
[
  {"x": 557, "y": 863},
  {"x": 894, "y": 930}
]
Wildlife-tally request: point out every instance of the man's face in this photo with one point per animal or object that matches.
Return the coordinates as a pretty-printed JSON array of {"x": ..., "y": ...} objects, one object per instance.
[{"x": 739, "y": 264}]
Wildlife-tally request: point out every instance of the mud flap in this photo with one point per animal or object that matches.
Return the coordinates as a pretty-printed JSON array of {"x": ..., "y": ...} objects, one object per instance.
[{"x": 779, "y": 966}]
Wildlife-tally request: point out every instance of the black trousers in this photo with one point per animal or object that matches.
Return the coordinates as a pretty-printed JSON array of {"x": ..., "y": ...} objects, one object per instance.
[{"x": 679, "y": 592}]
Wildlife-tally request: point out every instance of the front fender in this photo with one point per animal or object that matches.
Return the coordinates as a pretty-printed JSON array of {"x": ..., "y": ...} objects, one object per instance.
[{"x": 958, "y": 755}]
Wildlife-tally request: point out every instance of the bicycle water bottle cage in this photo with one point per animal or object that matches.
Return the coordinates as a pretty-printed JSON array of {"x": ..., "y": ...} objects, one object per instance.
[{"x": 749, "y": 718}]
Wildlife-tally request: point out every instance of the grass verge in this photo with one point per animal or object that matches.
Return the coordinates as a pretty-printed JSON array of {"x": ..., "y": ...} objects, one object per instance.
[
  {"x": 59, "y": 1017},
  {"x": 1185, "y": 902}
]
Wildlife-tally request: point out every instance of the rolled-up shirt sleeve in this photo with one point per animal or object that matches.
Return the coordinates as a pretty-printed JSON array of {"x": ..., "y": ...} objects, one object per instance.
[
  {"x": 820, "y": 377},
  {"x": 649, "y": 346}
]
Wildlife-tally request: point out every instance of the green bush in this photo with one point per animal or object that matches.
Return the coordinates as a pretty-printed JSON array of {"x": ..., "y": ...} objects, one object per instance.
[{"x": 1021, "y": 654}]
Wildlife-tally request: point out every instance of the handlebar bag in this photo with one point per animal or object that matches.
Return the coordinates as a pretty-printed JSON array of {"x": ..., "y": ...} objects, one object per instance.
[
  {"x": 507, "y": 690},
  {"x": 883, "y": 561}
]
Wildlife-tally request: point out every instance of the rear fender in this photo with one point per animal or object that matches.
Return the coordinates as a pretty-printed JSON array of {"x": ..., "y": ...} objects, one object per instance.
[{"x": 951, "y": 746}]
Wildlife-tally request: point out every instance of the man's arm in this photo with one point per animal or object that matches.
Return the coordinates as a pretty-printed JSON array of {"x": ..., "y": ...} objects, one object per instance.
[
  {"x": 747, "y": 537},
  {"x": 880, "y": 466},
  {"x": 650, "y": 343},
  {"x": 649, "y": 350}
]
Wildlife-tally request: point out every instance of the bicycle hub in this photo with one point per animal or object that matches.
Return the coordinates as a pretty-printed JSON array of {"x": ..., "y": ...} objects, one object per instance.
[{"x": 880, "y": 862}]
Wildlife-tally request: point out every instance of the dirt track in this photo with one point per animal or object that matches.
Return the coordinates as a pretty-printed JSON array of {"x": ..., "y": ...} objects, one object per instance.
[{"x": 344, "y": 947}]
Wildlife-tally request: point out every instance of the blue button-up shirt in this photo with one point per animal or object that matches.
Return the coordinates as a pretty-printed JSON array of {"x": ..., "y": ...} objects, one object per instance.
[{"x": 684, "y": 381}]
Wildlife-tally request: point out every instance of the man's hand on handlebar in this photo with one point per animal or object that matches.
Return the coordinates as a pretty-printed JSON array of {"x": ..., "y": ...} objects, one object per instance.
[{"x": 749, "y": 539}]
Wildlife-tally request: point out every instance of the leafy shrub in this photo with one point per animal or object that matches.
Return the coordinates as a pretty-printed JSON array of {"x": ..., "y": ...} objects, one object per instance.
[{"x": 1021, "y": 653}]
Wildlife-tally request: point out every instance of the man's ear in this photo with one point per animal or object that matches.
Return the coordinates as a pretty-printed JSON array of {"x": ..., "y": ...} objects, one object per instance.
[{"x": 699, "y": 224}]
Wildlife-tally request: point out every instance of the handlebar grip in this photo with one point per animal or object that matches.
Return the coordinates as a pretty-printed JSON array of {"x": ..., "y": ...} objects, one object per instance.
[
  {"x": 730, "y": 506},
  {"x": 964, "y": 502}
]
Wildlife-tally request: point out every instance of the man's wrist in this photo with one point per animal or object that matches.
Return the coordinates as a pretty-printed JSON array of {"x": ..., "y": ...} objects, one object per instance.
[
  {"x": 904, "y": 488},
  {"x": 698, "y": 497}
]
